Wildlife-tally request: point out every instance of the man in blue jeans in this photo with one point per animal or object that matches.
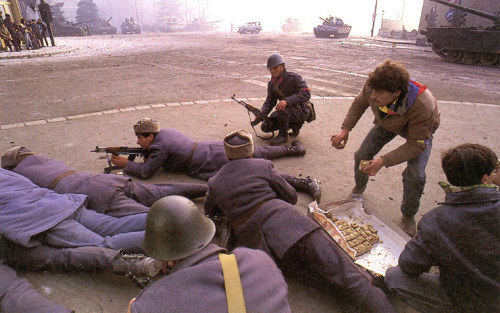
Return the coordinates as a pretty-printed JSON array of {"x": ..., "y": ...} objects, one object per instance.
[{"x": 401, "y": 107}]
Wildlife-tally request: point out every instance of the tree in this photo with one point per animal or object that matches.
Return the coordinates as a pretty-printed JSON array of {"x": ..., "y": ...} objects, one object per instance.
[{"x": 87, "y": 12}]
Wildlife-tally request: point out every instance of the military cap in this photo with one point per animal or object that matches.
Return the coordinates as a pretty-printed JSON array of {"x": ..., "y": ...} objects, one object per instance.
[
  {"x": 13, "y": 156},
  {"x": 238, "y": 144},
  {"x": 146, "y": 126}
]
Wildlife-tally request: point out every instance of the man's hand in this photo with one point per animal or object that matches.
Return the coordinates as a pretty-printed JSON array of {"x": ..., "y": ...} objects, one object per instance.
[
  {"x": 119, "y": 161},
  {"x": 281, "y": 105},
  {"x": 373, "y": 168},
  {"x": 340, "y": 140}
]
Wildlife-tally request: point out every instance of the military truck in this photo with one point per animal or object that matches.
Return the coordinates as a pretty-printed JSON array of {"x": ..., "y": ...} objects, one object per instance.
[
  {"x": 469, "y": 45},
  {"x": 250, "y": 28}
]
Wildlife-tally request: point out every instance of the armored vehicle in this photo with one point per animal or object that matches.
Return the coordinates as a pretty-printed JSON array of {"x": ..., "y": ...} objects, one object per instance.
[
  {"x": 67, "y": 29},
  {"x": 332, "y": 26},
  {"x": 102, "y": 27},
  {"x": 291, "y": 25},
  {"x": 130, "y": 27},
  {"x": 469, "y": 45},
  {"x": 250, "y": 28}
]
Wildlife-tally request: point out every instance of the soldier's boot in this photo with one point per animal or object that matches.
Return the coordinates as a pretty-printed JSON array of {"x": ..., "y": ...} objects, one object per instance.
[
  {"x": 295, "y": 130},
  {"x": 136, "y": 265},
  {"x": 283, "y": 131},
  {"x": 308, "y": 185},
  {"x": 296, "y": 148}
]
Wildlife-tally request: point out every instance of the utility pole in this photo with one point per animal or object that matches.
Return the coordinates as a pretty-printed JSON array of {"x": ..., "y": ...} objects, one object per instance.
[
  {"x": 136, "y": 12},
  {"x": 374, "y": 16}
]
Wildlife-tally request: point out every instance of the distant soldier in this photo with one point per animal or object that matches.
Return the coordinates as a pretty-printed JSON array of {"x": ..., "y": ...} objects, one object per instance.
[
  {"x": 289, "y": 93},
  {"x": 46, "y": 16}
]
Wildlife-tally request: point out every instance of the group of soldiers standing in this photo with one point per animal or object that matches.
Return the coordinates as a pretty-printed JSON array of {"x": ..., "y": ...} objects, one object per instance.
[{"x": 54, "y": 217}]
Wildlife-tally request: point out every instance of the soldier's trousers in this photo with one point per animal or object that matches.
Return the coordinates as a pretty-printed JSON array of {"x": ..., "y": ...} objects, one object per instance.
[
  {"x": 18, "y": 295},
  {"x": 89, "y": 228},
  {"x": 319, "y": 255},
  {"x": 137, "y": 197}
]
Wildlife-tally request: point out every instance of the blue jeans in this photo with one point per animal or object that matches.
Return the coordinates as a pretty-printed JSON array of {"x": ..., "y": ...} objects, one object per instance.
[
  {"x": 423, "y": 292},
  {"x": 413, "y": 175},
  {"x": 89, "y": 228}
]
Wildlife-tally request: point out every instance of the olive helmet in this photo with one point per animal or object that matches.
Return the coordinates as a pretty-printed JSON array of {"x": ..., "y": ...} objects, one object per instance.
[
  {"x": 274, "y": 60},
  {"x": 176, "y": 229}
]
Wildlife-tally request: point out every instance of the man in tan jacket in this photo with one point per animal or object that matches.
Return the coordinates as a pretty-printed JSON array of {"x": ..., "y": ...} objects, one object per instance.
[{"x": 401, "y": 107}]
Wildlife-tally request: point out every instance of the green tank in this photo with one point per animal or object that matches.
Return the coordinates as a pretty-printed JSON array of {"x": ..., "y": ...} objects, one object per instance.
[{"x": 468, "y": 45}]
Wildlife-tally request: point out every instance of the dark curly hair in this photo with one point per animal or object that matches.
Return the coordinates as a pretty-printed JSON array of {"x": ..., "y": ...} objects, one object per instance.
[
  {"x": 466, "y": 164},
  {"x": 389, "y": 76}
]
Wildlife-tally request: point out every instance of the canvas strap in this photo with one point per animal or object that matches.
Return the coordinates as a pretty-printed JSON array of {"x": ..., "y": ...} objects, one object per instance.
[{"x": 232, "y": 283}]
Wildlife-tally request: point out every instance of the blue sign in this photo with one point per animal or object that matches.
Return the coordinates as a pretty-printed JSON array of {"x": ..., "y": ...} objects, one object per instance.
[{"x": 449, "y": 15}]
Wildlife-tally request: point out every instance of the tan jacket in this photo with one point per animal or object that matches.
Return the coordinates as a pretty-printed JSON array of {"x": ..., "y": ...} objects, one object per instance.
[
  {"x": 416, "y": 124},
  {"x": 5, "y": 34}
]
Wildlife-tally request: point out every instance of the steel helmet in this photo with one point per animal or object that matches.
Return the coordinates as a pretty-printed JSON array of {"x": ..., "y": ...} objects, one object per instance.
[
  {"x": 274, "y": 59},
  {"x": 176, "y": 229}
]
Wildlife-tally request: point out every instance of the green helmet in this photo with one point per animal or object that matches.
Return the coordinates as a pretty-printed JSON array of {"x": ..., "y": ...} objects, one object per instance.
[
  {"x": 175, "y": 229},
  {"x": 274, "y": 59}
]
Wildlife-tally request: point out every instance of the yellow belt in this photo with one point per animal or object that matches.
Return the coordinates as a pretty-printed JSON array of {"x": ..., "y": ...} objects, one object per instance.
[{"x": 232, "y": 283}]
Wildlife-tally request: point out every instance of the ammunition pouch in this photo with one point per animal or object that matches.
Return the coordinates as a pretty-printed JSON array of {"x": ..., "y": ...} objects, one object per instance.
[{"x": 312, "y": 114}]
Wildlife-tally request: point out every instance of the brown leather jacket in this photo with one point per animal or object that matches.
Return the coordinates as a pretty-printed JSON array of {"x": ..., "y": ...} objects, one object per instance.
[{"x": 416, "y": 124}]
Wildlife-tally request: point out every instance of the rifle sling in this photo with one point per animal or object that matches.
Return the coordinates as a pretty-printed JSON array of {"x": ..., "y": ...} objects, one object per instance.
[{"x": 56, "y": 181}]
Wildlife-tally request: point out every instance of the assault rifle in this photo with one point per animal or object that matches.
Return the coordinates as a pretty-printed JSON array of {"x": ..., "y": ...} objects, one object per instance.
[
  {"x": 123, "y": 150},
  {"x": 258, "y": 114}
]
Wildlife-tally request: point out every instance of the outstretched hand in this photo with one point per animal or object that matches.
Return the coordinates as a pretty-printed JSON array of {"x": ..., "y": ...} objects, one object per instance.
[{"x": 340, "y": 140}]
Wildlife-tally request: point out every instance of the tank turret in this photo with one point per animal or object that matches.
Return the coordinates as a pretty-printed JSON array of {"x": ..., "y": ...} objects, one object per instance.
[{"x": 469, "y": 45}]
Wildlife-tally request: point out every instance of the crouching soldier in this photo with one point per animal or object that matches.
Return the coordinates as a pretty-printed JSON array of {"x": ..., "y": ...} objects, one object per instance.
[
  {"x": 289, "y": 93},
  {"x": 202, "y": 276}
]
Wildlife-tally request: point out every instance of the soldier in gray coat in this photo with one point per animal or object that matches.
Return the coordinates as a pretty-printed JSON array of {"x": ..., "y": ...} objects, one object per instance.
[
  {"x": 259, "y": 204},
  {"x": 110, "y": 194},
  {"x": 179, "y": 234},
  {"x": 31, "y": 215},
  {"x": 176, "y": 152}
]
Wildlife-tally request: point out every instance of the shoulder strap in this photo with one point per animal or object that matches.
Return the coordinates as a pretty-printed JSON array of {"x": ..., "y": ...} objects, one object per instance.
[{"x": 232, "y": 283}]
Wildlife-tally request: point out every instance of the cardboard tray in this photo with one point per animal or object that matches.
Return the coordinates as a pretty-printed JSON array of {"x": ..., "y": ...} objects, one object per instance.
[{"x": 385, "y": 253}]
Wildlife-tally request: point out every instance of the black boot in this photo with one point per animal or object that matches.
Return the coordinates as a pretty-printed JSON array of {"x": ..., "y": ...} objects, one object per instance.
[
  {"x": 296, "y": 149},
  {"x": 136, "y": 265},
  {"x": 283, "y": 128},
  {"x": 308, "y": 185}
]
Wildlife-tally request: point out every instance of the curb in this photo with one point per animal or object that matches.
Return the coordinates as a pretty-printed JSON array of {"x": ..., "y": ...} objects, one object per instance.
[
  {"x": 34, "y": 55},
  {"x": 196, "y": 102}
]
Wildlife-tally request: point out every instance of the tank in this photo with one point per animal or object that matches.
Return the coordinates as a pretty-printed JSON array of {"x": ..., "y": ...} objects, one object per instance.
[
  {"x": 332, "y": 26},
  {"x": 290, "y": 25},
  {"x": 102, "y": 27},
  {"x": 67, "y": 29},
  {"x": 130, "y": 27},
  {"x": 468, "y": 45}
]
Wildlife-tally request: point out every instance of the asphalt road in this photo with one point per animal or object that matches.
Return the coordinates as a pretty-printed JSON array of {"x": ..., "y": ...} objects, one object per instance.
[{"x": 91, "y": 90}]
